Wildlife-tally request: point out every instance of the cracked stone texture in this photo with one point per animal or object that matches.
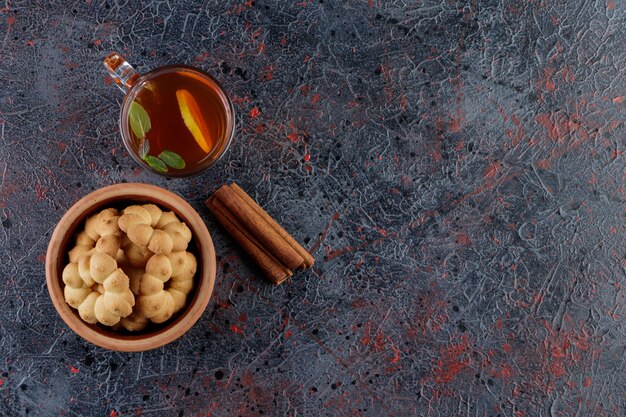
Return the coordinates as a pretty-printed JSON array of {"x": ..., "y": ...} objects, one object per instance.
[{"x": 457, "y": 169}]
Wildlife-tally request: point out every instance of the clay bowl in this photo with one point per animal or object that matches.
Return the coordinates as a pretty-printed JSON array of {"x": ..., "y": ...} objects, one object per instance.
[{"x": 119, "y": 196}]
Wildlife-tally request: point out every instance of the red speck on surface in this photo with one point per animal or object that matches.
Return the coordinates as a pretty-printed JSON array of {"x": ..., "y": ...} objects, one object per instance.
[
  {"x": 315, "y": 99},
  {"x": 546, "y": 81},
  {"x": 403, "y": 102},
  {"x": 240, "y": 8},
  {"x": 611, "y": 5},
  {"x": 561, "y": 127},
  {"x": 452, "y": 361},
  {"x": 30, "y": 43},
  {"x": 254, "y": 112},
  {"x": 456, "y": 122},
  {"x": 257, "y": 33},
  {"x": 556, "y": 369},
  {"x": 11, "y": 20},
  {"x": 562, "y": 347},
  {"x": 544, "y": 164},
  {"x": 240, "y": 100},
  {"x": 2, "y": 381},
  {"x": 366, "y": 339},
  {"x": 544, "y": 120},
  {"x": 306, "y": 157},
  {"x": 215, "y": 328},
  {"x": 236, "y": 329},
  {"x": 389, "y": 95},
  {"x": 492, "y": 169},
  {"x": 113, "y": 413},
  {"x": 463, "y": 239},
  {"x": 42, "y": 257},
  {"x": 360, "y": 303},
  {"x": 200, "y": 58},
  {"x": 396, "y": 351},
  {"x": 268, "y": 73},
  {"x": 40, "y": 191},
  {"x": 618, "y": 100},
  {"x": 259, "y": 129},
  {"x": 288, "y": 334},
  {"x": 499, "y": 323},
  {"x": 507, "y": 348},
  {"x": 261, "y": 48},
  {"x": 247, "y": 378},
  {"x": 293, "y": 137},
  {"x": 506, "y": 371},
  {"x": 305, "y": 90},
  {"x": 587, "y": 382},
  {"x": 555, "y": 20},
  {"x": 74, "y": 369},
  {"x": 593, "y": 180},
  {"x": 516, "y": 134},
  {"x": 283, "y": 41},
  {"x": 380, "y": 342}
]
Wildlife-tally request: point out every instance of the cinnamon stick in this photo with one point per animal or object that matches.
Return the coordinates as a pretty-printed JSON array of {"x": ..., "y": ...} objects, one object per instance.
[
  {"x": 275, "y": 262},
  {"x": 268, "y": 237},
  {"x": 272, "y": 268},
  {"x": 308, "y": 259}
]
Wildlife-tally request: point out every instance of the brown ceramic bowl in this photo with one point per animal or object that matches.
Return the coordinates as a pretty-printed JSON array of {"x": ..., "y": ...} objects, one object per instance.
[{"x": 121, "y": 195}]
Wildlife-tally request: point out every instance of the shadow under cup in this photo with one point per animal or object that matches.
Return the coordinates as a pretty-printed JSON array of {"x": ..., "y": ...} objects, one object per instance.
[{"x": 158, "y": 91}]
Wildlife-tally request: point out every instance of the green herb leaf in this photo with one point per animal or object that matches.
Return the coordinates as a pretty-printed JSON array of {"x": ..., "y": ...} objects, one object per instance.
[
  {"x": 172, "y": 159},
  {"x": 156, "y": 163},
  {"x": 139, "y": 120},
  {"x": 144, "y": 148}
]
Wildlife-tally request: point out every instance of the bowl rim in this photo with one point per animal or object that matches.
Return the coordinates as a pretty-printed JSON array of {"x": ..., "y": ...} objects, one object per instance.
[{"x": 205, "y": 282}]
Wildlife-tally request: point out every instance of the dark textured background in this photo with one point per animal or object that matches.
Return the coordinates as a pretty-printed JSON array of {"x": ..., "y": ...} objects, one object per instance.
[{"x": 457, "y": 168}]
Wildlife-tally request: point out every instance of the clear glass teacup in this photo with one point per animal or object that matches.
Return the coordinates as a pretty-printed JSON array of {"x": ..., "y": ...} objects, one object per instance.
[{"x": 175, "y": 120}]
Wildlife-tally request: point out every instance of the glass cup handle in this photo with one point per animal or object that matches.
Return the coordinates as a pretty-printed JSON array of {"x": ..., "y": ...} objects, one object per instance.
[{"x": 121, "y": 71}]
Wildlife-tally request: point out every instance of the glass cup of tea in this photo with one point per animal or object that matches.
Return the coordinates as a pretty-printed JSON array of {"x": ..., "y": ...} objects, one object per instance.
[{"x": 175, "y": 120}]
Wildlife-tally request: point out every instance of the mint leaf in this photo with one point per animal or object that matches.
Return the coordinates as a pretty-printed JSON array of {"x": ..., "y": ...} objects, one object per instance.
[
  {"x": 172, "y": 159},
  {"x": 156, "y": 163},
  {"x": 144, "y": 148},
  {"x": 139, "y": 120}
]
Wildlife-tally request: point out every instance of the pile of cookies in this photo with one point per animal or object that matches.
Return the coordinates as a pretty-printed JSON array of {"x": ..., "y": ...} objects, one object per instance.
[{"x": 130, "y": 268}]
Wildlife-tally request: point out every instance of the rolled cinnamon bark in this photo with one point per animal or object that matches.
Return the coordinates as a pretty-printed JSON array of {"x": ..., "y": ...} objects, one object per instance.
[
  {"x": 267, "y": 236},
  {"x": 267, "y": 243},
  {"x": 308, "y": 259},
  {"x": 272, "y": 268}
]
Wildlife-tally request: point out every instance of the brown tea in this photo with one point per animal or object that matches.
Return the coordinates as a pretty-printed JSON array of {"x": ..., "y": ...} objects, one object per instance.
[{"x": 178, "y": 121}]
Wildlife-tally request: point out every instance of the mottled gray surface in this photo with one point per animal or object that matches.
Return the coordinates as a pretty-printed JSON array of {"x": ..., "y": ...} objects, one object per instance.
[{"x": 457, "y": 168}]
